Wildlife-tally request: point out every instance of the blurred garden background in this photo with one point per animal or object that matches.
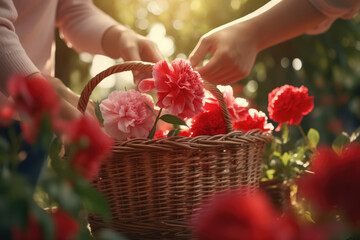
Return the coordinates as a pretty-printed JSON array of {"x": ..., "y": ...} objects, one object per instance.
[{"x": 328, "y": 64}]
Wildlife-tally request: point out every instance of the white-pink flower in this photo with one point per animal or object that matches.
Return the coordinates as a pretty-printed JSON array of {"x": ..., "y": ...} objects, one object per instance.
[
  {"x": 237, "y": 107},
  {"x": 126, "y": 115}
]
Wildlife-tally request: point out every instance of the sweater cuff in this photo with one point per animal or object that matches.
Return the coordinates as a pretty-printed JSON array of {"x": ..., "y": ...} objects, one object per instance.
[{"x": 15, "y": 62}]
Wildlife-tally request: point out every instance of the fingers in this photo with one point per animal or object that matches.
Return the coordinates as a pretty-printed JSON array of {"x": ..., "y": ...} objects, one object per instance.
[
  {"x": 199, "y": 52},
  {"x": 221, "y": 70},
  {"x": 153, "y": 53},
  {"x": 131, "y": 53}
]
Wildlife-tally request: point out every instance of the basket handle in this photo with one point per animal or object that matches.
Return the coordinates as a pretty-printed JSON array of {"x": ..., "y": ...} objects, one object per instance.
[{"x": 146, "y": 67}]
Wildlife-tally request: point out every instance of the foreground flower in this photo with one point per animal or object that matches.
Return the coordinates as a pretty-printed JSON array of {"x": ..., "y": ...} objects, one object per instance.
[
  {"x": 93, "y": 145},
  {"x": 179, "y": 88},
  {"x": 66, "y": 228},
  {"x": 335, "y": 182},
  {"x": 233, "y": 216},
  {"x": 36, "y": 97},
  {"x": 254, "y": 120},
  {"x": 7, "y": 113},
  {"x": 126, "y": 115},
  {"x": 237, "y": 107},
  {"x": 289, "y": 104}
]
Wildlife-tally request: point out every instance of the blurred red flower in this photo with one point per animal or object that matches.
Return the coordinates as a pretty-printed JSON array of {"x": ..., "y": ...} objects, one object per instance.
[
  {"x": 335, "y": 182},
  {"x": 94, "y": 145},
  {"x": 36, "y": 97},
  {"x": 7, "y": 113},
  {"x": 66, "y": 228},
  {"x": 289, "y": 104},
  {"x": 208, "y": 123},
  {"x": 232, "y": 216},
  {"x": 32, "y": 231},
  {"x": 254, "y": 120},
  {"x": 179, "y": 88}
]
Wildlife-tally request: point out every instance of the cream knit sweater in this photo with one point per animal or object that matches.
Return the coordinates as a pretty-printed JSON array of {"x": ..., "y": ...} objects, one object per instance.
[{"x": 27, "y": 32}]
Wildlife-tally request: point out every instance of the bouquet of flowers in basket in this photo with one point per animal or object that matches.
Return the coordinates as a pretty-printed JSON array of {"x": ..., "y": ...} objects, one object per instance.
[{"x": 180, "y": 93}]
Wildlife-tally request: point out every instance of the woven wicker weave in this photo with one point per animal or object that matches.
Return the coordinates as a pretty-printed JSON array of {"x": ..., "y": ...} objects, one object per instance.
[{"x": 154, "y": 185}]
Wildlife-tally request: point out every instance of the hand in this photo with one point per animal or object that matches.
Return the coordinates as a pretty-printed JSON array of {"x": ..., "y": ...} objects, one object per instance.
[
  {"x": 123, "y": 42},
  {"x": 233, "y": 54}
]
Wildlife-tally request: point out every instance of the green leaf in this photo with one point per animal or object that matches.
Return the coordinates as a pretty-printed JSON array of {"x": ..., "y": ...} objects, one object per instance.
[
  {"x": 152, "y": 110},
  {"x": 355, "y": 135},
  {"x": 270, "y": 173},
  {"x": 4, "y": 144},
  {"x": 54, "y": 153},
  {"x": 98, "y": 113},
  {"x": 285, "y": 158},
  {"x": 340, "y": 141},
  {"x": 152, "y": 132},
  {"x": 93, "y": 200},
  {"x": 314, "y": 137},
  {"x": 173, "y": 120},
  {"x": 45, "y": 221}
]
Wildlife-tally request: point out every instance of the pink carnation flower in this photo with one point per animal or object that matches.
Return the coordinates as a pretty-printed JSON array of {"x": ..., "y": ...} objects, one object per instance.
[
  {"x": 126, "y": 115},
  {"x": 179, "y": 88},
  {"x": 237, "y": 107}
]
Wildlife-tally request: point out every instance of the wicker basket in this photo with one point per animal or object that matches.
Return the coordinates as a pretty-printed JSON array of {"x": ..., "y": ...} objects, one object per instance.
[
  {"x": 154, "y": 185},
  {"x": 278, "y": 192}
]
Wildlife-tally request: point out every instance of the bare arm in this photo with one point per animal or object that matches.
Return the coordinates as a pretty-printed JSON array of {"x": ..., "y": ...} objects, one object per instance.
[{"x": 235, "y": 45}]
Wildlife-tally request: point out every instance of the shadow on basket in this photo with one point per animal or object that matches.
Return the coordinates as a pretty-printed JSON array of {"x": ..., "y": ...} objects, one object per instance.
[{"x": 153, "y": 186}]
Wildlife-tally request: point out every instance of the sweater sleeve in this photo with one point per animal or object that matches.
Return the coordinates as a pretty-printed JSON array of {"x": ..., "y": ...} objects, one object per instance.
[
  {"x": 13, "y": 58},
  {"x": 334, "y": 9},
  {"x": 82, "y": 25}
]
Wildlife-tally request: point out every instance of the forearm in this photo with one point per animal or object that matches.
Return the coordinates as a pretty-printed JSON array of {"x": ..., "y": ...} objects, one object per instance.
[
  {"x": 110, "y": 40},
  {"x": 280, "y": 20}
]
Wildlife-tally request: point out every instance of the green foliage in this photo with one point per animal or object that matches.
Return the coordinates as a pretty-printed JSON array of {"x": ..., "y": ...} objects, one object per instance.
[
  {"x": 286, "y": 158},
  {"x": 98, "y": 113},
  {"x": 173, "y": 120}
]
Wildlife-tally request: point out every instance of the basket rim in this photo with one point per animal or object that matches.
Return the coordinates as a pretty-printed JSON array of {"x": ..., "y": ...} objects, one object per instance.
[{"x": 233, "y": 138}]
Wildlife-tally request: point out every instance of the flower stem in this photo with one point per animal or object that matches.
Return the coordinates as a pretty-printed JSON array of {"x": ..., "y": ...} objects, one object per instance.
[{"x": 306, "y": 138}]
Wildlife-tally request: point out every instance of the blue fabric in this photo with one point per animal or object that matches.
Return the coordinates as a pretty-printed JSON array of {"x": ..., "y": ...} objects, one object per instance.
[{"x": 36, "y": 155}]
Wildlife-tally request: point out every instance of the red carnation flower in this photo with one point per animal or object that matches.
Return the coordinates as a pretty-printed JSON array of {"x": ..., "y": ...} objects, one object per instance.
[
  {"x": 335, "y": 184},
  {"x": 185, "y": 133},
  {"x": 208, "y": 123},
  {"x": 254, "y": 120},
  {"x": 94, "y": 145},
  {"x": 32, "y": 231},
  {"x": 36, "y": 97},
  {"x": 161, "y": 134},
  {"x": 66, "y": 228},
  {"x": 179, "y": 88},
  {"x": 289, "y": 104},
  {"x": 233, "y": 216}
]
